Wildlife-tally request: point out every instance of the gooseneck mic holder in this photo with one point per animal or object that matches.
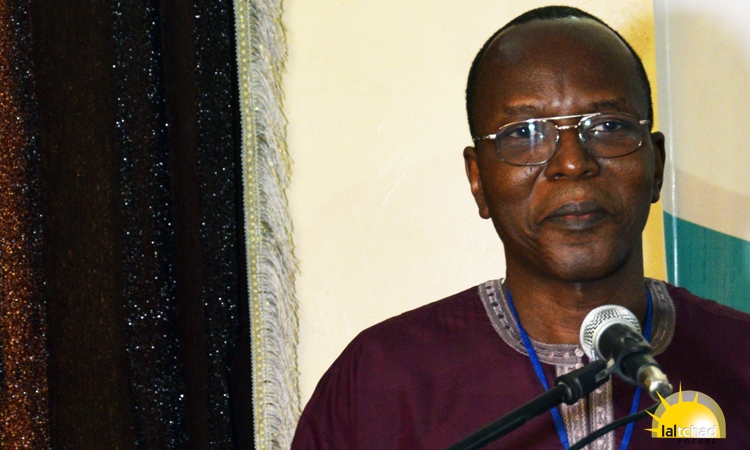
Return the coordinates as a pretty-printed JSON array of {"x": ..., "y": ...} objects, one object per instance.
[{"x": 569, "y": 388}]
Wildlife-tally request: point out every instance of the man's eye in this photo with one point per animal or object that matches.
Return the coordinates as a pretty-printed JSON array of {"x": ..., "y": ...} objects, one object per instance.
[
  {"x": 608, "y": 126},
  {"x": 523, "y": 131}
]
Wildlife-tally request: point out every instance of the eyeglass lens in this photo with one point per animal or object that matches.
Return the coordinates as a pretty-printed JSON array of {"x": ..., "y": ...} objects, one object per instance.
[{"x": 603, "y": 136}]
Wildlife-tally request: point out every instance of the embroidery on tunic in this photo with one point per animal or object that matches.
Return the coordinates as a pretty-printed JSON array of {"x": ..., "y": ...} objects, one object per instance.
[
  {"x": 568, "y": 357},
  {"x": 664, "y": 316},
  {"x": 574, "y": 415},
  {"x": 601, "y": 413},
  {"x": 496, "y": 305}
]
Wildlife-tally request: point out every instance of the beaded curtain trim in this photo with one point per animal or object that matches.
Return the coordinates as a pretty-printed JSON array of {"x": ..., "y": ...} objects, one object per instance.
[{"x": 261, "y": 53}]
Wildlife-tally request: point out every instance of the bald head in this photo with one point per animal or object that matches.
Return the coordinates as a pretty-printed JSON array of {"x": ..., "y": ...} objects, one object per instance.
[{"x": 555, "y": 28}]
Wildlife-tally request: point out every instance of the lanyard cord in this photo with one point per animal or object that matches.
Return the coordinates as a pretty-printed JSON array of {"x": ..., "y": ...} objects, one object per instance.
[
  {"x": 556, "y": 417},
  {"x": 559, "y": 425},
  {"x": 637, "y": 396}
]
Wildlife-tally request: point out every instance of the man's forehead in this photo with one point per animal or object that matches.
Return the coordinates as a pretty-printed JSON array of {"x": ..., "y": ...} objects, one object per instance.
[
  {"x": 528, "y": 110},
  {"x": 569, "y": 48},
  {"x": 556, "y": 35}
]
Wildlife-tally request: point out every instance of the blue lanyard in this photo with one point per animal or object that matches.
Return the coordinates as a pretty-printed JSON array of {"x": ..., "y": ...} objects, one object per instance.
[
  {"x": 637, "y": 396},
  {"x": 556, "y": 417}
]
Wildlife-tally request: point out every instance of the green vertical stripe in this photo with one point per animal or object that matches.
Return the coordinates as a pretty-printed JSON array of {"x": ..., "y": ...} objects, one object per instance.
[{"x": 708, "y": 263}]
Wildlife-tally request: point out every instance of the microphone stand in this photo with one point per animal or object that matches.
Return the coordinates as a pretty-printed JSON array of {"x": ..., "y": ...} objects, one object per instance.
[{"x": 569, "y": 388}]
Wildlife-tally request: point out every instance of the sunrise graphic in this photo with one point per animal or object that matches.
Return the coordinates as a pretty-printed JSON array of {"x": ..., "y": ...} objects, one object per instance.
[{"x": 688, "y": 414}]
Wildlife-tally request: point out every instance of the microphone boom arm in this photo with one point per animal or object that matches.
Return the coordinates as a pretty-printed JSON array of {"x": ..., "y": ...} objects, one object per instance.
[{"x": 569, "y": 388}]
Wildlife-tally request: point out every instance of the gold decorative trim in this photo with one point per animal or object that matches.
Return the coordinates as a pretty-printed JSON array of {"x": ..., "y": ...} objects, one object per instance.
[
  {"x": 24, "y": 392},
  {"x": 261, "y": 53},
  {"x": 574, "y": 416}
]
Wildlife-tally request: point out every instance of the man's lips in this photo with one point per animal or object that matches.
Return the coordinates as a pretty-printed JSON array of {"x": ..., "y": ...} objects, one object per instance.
[{"x": 577, "y": 215}]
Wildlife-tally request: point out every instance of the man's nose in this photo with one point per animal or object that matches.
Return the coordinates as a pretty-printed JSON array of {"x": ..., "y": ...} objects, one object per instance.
[{"x": 570, "y": 160}]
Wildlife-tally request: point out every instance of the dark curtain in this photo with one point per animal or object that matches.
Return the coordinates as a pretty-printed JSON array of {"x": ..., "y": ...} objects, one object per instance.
[{"x": 131, "y": 197}]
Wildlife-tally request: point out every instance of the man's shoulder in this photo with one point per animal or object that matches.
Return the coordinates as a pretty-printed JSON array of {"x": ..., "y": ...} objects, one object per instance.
[
  {"x": 697, "y": 310},
  {"x": 708, "y": 354},
  {"x": 707, "y": 327},
  {"x": 427, "y": 325},
  {"x": 442, "y": 334},
  {"x": 406, "y": 382}
]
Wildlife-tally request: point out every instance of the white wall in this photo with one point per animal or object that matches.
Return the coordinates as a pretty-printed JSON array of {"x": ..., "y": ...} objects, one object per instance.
[
  {"x": 704, "y": 79},
  {"x": 384, "y": 220}
]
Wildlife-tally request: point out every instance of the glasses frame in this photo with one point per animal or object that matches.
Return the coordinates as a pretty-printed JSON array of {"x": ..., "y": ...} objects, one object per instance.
[{"x": 581, "y": 140}]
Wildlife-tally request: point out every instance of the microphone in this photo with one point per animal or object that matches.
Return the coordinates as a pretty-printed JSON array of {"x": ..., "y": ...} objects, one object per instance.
[{"x": 612, "y": 333}]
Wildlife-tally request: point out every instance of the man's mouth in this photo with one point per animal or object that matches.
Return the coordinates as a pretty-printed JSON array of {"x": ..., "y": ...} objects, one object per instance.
[{"x": 577, "y": 216}]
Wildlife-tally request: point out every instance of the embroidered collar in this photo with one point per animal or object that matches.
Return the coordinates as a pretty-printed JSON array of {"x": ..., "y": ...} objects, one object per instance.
[{"x": 496, "y": 305}]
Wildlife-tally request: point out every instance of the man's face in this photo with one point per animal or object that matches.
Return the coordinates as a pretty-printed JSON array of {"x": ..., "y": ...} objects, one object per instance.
[{"x": 575, "y": 218}]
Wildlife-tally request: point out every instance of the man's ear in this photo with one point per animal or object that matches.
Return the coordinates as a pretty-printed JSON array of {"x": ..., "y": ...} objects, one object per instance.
[
  {"x": 657, "y": 139},
  {"x": 475, "y": 181}
]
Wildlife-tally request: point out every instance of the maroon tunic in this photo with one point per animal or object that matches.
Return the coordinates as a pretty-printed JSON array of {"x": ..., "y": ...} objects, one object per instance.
[{"x": 432, "y": 376}]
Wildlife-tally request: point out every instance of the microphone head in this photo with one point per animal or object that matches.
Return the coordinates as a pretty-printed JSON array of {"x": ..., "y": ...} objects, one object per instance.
[{"x": 598, "y": 320}]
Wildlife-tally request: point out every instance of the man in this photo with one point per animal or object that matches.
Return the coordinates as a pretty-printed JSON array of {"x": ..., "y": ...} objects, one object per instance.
[{"x": 569, "y": 197}]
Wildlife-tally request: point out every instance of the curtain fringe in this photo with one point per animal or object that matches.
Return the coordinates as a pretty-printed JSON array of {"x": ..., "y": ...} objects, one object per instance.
[{"x": 272, "y": 267}]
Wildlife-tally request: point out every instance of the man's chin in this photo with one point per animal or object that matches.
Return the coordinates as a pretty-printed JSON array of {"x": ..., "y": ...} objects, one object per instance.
[{"x": 586, "y": 266}]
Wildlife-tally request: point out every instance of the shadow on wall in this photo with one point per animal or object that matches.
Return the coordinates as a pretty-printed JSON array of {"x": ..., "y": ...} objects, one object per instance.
[{"x": 706, "y": 187}]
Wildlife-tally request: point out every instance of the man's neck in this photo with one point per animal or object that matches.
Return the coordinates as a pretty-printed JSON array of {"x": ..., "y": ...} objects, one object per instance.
[{"x": 552, "y": 311}]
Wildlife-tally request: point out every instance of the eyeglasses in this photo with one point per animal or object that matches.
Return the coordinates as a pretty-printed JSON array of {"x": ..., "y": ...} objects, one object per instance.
[{"x": 535, "y": 141}]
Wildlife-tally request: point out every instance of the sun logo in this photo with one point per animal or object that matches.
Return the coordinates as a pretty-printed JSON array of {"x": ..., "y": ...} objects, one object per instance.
[{"x": 688, "y": 414}]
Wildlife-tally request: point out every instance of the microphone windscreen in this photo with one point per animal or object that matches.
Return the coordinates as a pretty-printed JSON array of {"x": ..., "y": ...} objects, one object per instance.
[{"x": 598, "y": 320}]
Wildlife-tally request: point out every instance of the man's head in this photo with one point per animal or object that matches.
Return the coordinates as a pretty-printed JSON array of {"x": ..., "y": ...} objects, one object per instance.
[{"x": 575, "y": 217}]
